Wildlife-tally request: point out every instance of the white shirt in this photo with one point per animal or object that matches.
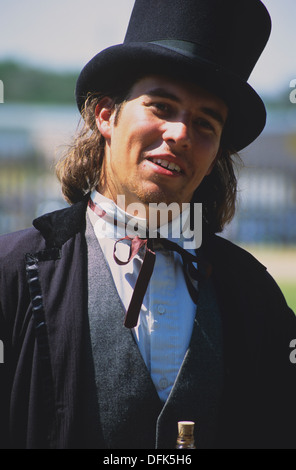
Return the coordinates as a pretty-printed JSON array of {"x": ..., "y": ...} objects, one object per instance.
[{"x": 167, "y": 315}]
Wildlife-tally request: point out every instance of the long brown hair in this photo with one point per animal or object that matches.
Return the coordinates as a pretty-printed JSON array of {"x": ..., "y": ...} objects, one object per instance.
[
  {"x": 79, "y": 170},
  {"x": 218, "y": 191}
]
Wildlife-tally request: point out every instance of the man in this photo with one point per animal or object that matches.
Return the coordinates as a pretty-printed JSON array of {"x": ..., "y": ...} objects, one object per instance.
[{"x": 109, "y": 350}]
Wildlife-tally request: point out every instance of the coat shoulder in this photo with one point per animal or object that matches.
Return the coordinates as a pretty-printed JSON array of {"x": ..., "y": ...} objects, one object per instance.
[
  {"x": 246, "y": 275},
  {"x": 234, "y": 255},
  {"x": 14, "y": 246}
]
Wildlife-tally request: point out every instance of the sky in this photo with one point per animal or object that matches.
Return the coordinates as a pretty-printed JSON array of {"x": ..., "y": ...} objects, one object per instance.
[{"x": 65, "y": 34}]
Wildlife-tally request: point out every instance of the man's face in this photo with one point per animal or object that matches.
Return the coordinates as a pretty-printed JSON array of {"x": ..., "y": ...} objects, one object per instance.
[{"x": 164, "y": 142}]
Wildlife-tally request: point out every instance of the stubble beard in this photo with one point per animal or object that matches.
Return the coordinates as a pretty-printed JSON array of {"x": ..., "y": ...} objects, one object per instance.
[{"x": 158, "y": 195}]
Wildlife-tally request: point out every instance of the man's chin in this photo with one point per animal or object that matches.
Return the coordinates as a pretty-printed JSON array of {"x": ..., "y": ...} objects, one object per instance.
[
  {"x": 154, "y": 194},
  {"x": 158, "y": 198}
]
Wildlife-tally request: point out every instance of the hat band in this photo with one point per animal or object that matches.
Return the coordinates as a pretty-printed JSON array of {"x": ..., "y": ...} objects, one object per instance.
[{"x": 189, "y": 49}]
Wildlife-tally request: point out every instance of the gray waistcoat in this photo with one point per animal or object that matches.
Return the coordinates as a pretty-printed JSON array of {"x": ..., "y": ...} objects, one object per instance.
[{"x": 128, "y": 409}]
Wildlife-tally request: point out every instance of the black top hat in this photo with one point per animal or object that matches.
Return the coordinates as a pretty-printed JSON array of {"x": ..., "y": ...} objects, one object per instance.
[{"x": 214, "y": 43}]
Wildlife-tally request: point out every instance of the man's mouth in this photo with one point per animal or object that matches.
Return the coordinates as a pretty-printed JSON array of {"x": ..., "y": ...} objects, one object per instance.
[{"x": 166, "y": 164}]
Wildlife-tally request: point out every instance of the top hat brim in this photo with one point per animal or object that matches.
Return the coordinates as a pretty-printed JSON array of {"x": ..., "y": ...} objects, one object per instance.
[{"x": 117, "y": 67}]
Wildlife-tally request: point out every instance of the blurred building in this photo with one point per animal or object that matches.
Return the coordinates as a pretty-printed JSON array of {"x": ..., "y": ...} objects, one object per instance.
[
  {"x": 267, "y": 185},
  {"x": 31, "y": 137}
]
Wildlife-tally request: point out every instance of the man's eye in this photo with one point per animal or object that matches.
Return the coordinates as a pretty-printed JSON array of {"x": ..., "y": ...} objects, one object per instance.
[
  {"x": 160, "y": 107},
  {"x": 205, "y": 124}
]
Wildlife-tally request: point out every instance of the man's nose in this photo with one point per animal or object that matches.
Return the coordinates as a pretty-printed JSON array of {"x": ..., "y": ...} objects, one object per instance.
[{"x": 178, "y": 133}]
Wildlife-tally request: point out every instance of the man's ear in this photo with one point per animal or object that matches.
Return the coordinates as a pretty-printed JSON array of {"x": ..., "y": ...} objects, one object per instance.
[{"x": 103, "y": 116}]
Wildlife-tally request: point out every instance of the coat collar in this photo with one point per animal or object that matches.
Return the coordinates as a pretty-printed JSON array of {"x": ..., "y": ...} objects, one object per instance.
[{"x": 59, "y": 226}]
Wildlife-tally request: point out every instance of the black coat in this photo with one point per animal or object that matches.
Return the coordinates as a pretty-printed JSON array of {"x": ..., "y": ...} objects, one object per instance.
[{"x": 44, "y": 332}]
